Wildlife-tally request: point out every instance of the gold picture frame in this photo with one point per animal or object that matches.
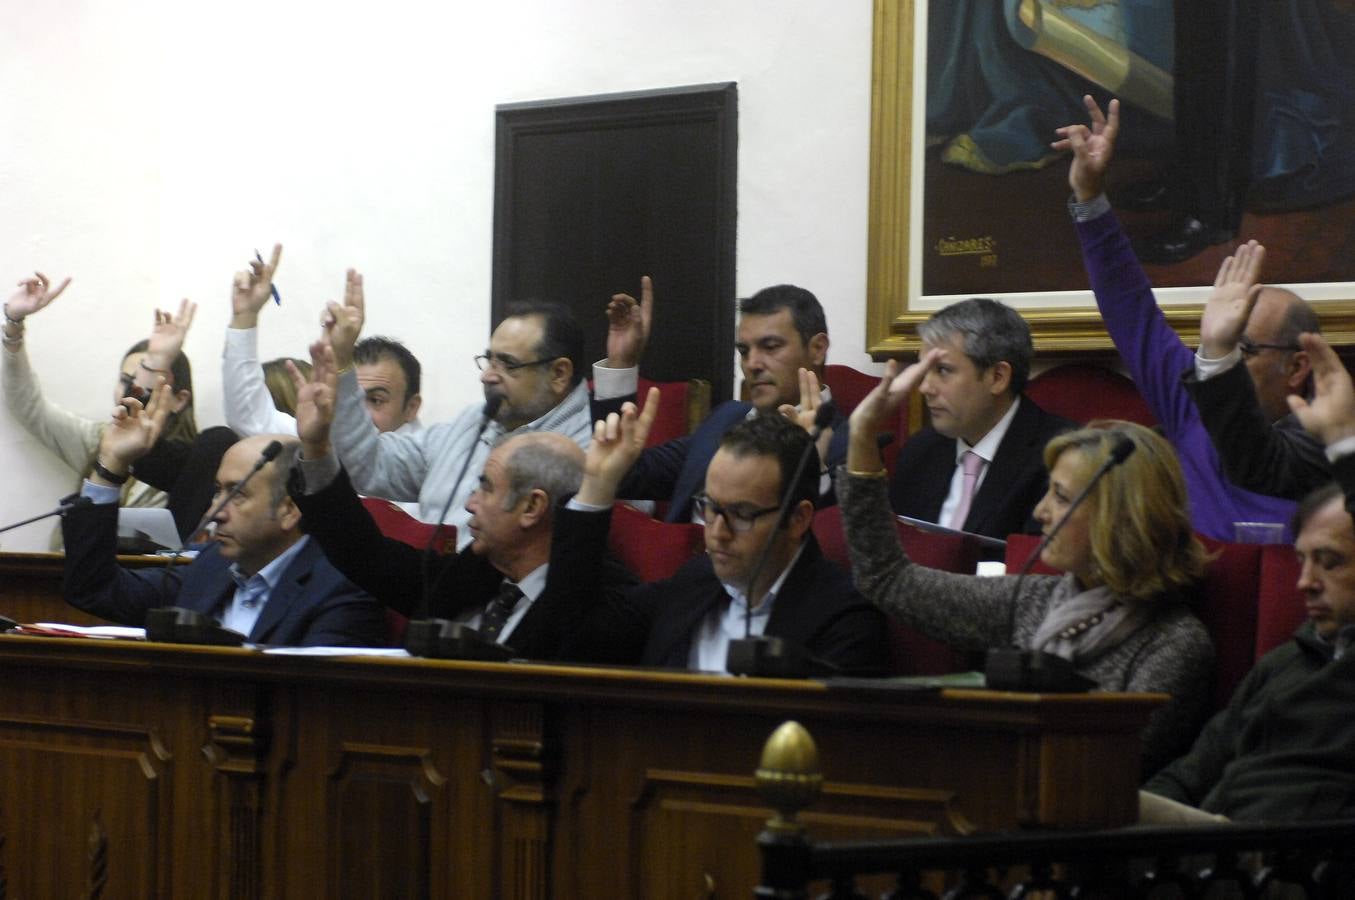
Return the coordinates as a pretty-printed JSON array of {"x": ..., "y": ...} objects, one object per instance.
[{"x": 892, "y": 313}]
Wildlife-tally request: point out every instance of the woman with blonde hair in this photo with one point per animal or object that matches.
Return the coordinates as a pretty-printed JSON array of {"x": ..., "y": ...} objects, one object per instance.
[{"x": 1120, "y": 610}]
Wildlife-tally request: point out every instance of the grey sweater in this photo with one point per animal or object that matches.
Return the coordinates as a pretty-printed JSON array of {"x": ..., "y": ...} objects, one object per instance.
[{"x": 1172, "y": 654}]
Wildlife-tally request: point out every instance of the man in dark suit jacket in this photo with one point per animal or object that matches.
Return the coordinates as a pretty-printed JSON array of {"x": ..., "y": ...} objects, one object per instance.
[
  {"x": 511, "y": 564},
  {"x": 687, "y": 621},
  {"x": 261, "y": 576},
  {"x": 979, "y": 414},
  {"x": 782, "y": 330}
]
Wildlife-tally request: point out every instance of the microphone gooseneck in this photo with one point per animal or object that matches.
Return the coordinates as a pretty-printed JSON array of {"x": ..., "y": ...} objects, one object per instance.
[
  {"x": 821, "y": 421},
  {"x": 73, "y": 502},
  {"x": 487, "y": 414}
]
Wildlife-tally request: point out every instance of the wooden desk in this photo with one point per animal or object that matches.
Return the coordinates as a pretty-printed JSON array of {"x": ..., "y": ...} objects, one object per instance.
[{"x": 202, "y": 772}]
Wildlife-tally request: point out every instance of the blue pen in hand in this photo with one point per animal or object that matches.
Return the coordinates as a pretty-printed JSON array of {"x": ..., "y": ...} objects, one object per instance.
[{"x": 272, "y": 288}]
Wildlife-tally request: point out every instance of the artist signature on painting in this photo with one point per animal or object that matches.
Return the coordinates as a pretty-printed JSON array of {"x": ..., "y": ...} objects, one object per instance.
[{"x": 985, "y": 248}]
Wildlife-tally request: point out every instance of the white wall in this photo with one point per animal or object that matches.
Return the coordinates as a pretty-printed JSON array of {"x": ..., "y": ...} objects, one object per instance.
[{"x": 151, "y": 146}]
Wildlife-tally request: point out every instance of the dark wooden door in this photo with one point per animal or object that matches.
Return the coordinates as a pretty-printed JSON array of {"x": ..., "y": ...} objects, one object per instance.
[{"x": 593, "y": 192}]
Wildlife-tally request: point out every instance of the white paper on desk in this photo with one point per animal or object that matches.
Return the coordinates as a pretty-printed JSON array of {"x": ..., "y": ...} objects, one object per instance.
[
  {"x": 337, "y": 651},
  {"x": 98, "y": 631}
]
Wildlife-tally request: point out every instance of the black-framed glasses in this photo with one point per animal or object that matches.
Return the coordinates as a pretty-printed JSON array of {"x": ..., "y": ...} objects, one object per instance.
[
  {"x": 739, "y": 518},
  {"x": 1250, "y": 348},
  {"x": 491, "y": 360}
]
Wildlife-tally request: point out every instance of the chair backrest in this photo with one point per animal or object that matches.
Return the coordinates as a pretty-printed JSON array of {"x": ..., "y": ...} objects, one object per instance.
[
  {"x": 850, "y": 387},
  {"x": 910, "y": 651},
  {"x": 1281, "y": 609},
  {"x": 1083, "y": 392},
  {"x": 395, "y": 523},
  {"x": 652, "y": 549},
  {"x": 682, "y": 406}
]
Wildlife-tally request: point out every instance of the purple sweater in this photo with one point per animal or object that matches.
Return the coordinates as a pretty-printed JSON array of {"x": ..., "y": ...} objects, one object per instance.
[{"x": 1157, "y": 358}]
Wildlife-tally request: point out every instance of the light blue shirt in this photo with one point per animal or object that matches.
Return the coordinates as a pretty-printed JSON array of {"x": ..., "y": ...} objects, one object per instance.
[{"x": 252, "y": 592}]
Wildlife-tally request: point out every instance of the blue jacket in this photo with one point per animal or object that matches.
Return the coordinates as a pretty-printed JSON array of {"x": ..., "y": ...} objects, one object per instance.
[{"x": 312, "y": 605}]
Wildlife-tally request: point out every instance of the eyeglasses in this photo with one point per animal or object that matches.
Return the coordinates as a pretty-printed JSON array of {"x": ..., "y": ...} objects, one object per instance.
[
  {"x": 1250, "y": 348},
  {"x": 739, "y": 519},
  {"x": 491, "y": 360}
]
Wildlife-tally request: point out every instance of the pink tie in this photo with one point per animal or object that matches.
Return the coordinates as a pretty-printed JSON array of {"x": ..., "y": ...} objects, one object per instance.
[{"x": 973, "y": 465}]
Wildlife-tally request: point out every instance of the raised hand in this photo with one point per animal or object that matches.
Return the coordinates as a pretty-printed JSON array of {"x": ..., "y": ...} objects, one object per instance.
[
  {"x": 134, "y": 429},
  {"x": 167, "y": 335},
  {"x": 1230, "y": 304},
  {"x": 343, "y": 323},
  {"x": 811, "y": 398},
  {"x": 251, "y": 290},
  {"x": 1331, "y": 413},
  {"x": 617, "y": 442},
  {"x": 879, "y": 406},
  {"x": 1092, "y": 148},
  {"x": 33, "y": 294},
  {"x": 315, "y": 400},
  {"x": 628, "y": 323}
]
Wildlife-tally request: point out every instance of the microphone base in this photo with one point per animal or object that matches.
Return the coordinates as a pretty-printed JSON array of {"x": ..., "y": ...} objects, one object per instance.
[
  {"x": 769, "y": 657},
  {"x": 176, "y": 625},
  {"x": 441, "y": 639},
  {"x": 1033, "y": 671}
]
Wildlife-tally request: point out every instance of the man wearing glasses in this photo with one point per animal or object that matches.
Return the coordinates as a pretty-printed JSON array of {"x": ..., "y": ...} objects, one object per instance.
[
  {"x": 533, "y": 369},
  {"x": 687, "y": 621},
  {"x": 1161, "y": 364}
]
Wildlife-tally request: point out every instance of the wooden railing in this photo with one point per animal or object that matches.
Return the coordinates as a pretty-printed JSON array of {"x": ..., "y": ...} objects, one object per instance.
[{"x": 1309, "y": 859}]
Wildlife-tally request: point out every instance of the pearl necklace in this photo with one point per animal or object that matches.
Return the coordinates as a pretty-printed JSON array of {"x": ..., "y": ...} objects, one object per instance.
[{"x": 1090, "y": 622}]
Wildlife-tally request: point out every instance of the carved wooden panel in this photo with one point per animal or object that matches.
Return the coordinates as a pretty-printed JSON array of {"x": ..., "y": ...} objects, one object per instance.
[
  {"x": 689, "y": 828},
  {"x": 522, "y": 776},
  {"x": 379, "y": 820},
  {"x": 104, "y": 800}
]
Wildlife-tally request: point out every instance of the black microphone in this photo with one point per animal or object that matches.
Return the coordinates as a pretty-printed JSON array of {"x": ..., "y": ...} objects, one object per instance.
[
  {"x": 74, "y": 501},
  {"x": 487, "y": 414},
  {"x": 268, "y": 455},
  {"x": 750, "y": 656},
  {"x": 1118, "y": 454}
]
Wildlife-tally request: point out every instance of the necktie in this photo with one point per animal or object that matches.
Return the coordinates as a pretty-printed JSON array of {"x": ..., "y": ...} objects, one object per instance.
[
  {"x": 499, "y": 609},
  {"x": 972, "y": 464}
]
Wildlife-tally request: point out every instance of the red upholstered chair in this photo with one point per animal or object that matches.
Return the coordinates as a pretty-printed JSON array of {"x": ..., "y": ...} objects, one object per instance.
[
  {"x": 1281, "y": 609},
  {"x": 849, "y": 388},
  {"x": 910, "y": 652},
  {"x": 682, "y": 406},
  {"x": 1083, "y": 392},
  {"x": 395, "y": 523},
  {"x": 652, "y": 549}
]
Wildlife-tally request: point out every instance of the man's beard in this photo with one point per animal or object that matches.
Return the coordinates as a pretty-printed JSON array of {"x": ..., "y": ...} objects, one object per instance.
[{"x": 511, "y": 415}]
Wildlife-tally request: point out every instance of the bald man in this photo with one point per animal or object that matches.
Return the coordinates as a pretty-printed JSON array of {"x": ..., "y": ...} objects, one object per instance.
[
  {"x": 260, "y": 576},
  {"x": 507, "y": 582},
  {"x": 1245, "y": 408}
]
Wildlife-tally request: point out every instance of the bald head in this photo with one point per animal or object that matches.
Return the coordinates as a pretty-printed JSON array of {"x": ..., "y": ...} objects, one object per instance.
[
  {"x": 261, "y": 521},
  {"x": 1277, "y": 366}
]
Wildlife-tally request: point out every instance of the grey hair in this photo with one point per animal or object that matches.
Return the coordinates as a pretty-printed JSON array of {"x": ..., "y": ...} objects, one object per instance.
[
  {"x": 538, "y": 464},
  {"x": 992, "y": 333}
]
